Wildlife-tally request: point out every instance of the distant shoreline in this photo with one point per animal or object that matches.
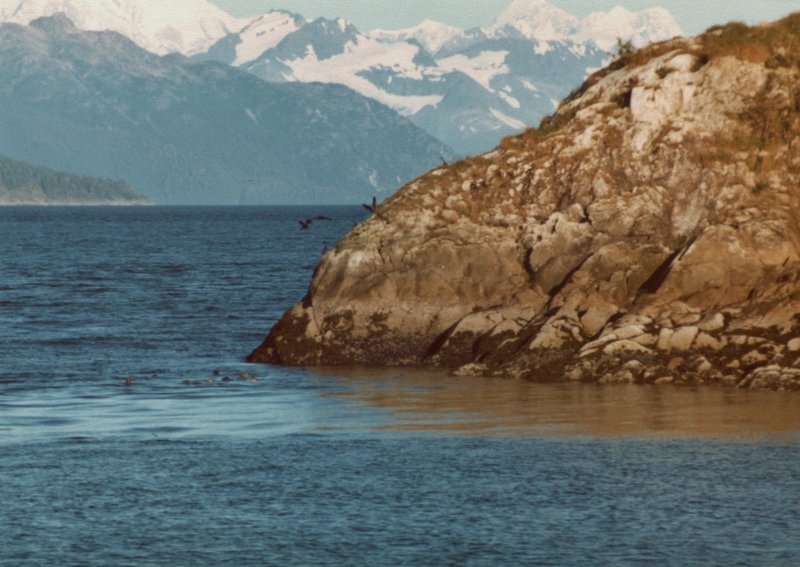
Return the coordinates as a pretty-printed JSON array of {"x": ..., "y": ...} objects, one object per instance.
[
  {"x": 173, "y": 205},
  {"x": 76, "y": 204}
]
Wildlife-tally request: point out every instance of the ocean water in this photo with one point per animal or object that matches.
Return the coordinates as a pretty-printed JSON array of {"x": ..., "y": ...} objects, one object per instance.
[{"x": 346, "y": 466}]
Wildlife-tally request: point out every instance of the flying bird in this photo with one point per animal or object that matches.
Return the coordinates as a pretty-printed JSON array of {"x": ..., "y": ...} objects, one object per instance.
[{"x": 304, "y": 224}]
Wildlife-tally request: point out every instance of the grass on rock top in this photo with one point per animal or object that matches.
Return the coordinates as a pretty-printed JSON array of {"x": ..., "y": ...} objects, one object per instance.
[
  {"x": 765, "y": 125},
  {"x": 774, "y": 45}
]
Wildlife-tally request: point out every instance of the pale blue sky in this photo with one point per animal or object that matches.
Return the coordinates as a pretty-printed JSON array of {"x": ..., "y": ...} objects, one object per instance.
[{"x": 693, "y": 15}]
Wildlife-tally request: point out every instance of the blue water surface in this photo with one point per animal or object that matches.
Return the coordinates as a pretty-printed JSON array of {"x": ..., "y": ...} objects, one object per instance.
[{"x": 280, "y": 466}]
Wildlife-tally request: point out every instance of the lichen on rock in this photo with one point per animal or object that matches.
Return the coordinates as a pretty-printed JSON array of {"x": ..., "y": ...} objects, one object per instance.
[{"x": 647, "y": 232}]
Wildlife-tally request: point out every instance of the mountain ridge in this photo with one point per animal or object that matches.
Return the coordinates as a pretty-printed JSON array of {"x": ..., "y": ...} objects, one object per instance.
[
  {"x": 468, "y": 88},
  {"x": 208, "y": 133},
  {"x": 192, "y": 26},
  {"x": 188, "y": 26}
]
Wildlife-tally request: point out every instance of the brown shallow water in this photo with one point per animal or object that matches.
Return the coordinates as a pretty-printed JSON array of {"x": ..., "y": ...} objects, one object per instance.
[{"x": 425, "y": 400}]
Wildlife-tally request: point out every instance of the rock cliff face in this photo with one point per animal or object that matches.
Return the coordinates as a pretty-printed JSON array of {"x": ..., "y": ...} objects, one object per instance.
[{"x": 648, "y": 231}]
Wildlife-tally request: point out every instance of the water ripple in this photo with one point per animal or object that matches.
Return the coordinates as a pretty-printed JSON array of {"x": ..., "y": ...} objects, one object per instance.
[{"x": 121, "y": 443}]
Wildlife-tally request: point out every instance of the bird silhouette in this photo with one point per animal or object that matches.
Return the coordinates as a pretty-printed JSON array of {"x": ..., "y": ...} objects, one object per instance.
[
  {"x": 373, "y": 208},
  {"x": 305, "y": 224}
]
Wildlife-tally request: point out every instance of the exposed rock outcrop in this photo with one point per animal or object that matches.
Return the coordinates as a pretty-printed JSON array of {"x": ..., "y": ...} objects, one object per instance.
[{"x": 647, "y": 232}]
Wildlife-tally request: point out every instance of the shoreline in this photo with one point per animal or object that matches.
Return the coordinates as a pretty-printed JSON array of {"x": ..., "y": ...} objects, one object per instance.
[{"x": 81, "y": 204}]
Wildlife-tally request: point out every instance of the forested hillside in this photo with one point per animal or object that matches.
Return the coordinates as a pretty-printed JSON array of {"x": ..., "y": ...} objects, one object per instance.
[{"x": 23, "y": 183}]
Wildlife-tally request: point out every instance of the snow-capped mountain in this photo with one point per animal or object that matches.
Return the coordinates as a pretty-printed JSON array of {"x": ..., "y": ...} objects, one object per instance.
[
  {"x": 159, "y": 26},
  {"x": 185, "y": 133},
  {"x": 467, "y": 88},
  {"x": 536, "y": 20},
  {"x": 429, "y": 34},
  {"x": 333, "y": 51},
  {"x": 469, "y": 98},
  {"x": 265, "y": 32},
  {"x": 603, "y": 28}
]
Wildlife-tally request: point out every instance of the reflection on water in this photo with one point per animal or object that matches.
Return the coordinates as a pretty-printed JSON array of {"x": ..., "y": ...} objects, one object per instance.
[
  {"x": 354, "y": 401},
  {"x": 425, "y": 400}
]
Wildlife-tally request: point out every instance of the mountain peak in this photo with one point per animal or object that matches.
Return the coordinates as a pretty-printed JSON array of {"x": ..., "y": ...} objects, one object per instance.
[
  {"x": 619, "y": 12},
  {"x": 533, "y": 19},
  {"x": 430, "y": 34},
  {"x": 641, "y": 28},
  {"x": 265, "y": 32},
  {"x": 540, "y": 20},
  {"x": 188, "y": 26},
  {"x": 336, "y": 25},
  {"x": 58, "y": 22}
]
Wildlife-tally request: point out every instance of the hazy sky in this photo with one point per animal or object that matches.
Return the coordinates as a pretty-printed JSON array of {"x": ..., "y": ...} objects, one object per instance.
[{"x": 693, "y": 15}]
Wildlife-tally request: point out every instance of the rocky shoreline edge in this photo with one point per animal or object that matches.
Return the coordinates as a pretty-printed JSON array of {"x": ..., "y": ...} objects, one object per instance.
[{"x": 647, "y": 232}]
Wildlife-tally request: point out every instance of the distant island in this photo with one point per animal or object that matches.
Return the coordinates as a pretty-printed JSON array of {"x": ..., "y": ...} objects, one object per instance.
[{"x": 22, "y": 183}]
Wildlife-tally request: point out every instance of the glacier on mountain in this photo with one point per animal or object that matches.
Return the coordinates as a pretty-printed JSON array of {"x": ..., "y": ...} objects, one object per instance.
[
  {"x": 469, "y": 88},
  {"x": 429, "y": 34},
  {"x": 188, "y": 26}
]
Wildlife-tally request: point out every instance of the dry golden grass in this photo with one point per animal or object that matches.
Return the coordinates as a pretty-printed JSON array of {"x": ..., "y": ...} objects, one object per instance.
[
  {"x": 765, "y": 126},
  {"x": 776, "y": 44}
]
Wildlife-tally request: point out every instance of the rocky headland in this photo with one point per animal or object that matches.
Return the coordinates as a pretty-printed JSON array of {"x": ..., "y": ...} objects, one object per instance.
[{"x": 647, "y": 232}]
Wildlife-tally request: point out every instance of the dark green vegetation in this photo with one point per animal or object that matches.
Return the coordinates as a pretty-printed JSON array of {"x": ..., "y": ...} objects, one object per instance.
[
  {"x": 195, "y": 133},
  {"x": 23, "y": 183}
]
